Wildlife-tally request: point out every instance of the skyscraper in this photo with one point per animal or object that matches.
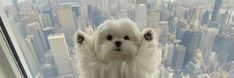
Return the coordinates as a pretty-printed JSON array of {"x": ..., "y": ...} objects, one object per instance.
[
  {"x": 223, "y": 46},
  {"x": 76, "y": 10},
  {"x": 59, "y": 49},
  {"x": 194, "y": 67},
  {"x": 207, "y": 39},
  {"x": 216, "y": 8},
  {"x": 164, "y": 27},
  {"x": 153, "y": 5},
  {"x": 203, "y": 76},
  {"x": 46, "y": 31},
  {"x": 24, "y": 48},
  {"x": 67, "y": 21},
  {"x": 153, "y": 20},
  {"x": 141, "y": 16},
  {"x": 16, "y": 4},
  {"x": 226, "y": 20},
  {"x": 168, "y": 73},
  {"x": 31, "y": 46},
  {"x": 38, "y": 40},
  {"x": 153, "y": 13},
  {"x": 47, "y": 19},
  {"x": 178, "y": 57},
  {"x": 205, "y": 18},
  {"x": 168, "y": 52},
  {"x": 66, "y": 17},
  {"x": 195, "y": 18},
  {"x": 171, "y": 23},
  {"x": 33, "y": 61},
  {"x": 190, "y": 41},
  {"x": 27, "y": 18}
]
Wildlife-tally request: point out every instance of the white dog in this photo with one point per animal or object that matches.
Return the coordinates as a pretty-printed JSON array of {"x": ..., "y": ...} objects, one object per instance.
[{"x": 117, "y": 49}]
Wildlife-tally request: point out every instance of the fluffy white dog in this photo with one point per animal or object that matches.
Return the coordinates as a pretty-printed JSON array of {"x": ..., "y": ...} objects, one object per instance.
[{"x": 117, "y": 49}]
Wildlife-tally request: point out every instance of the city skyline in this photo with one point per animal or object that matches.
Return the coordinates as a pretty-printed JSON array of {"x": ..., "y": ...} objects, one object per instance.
[{"x": 195, "y": 38}]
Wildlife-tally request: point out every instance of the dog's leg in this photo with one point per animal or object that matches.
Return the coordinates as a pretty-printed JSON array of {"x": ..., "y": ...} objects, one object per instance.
[
  {"x": 86, "y": 54},
  {"x": 83, "y": 44},
  {"x": 149, "y": 34},
  {"x": 79, "y": 37},
  {"x": 147, "y": 53}
]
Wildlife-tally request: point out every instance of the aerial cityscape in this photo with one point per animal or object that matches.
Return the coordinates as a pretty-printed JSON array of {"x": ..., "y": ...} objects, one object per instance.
[{"x": 195, "y": 37}]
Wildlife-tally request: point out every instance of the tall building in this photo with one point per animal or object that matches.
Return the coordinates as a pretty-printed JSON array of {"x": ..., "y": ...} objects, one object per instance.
[
  {"x": 16, "y": 4},
  {"x": 181, "y": 27},
  {"x": 76, "y": 13},
  {"x": 227, "y": 3},
  {"x": 210, "y": 62},
  {"x": 65, "y": 16},
  {"x": 171, "y": 23},
  {"x": 207, "y": 39},
  {"x": 190, "y": 41},
  {"x": 153, "y": 20},
  {"x": 167, "y": 54},
  {"x": 216, "y": 8},
  {"x": 60, "y": 52},
  {"x": 68, "y": 21},
  {"x": 123, "y": 8},
  {"x": 46, "y": 31},
  {"x": 24, "y": 48},
  {"x": 153, "y": 5},
  {"x": 205, "y": 18},
  {"x": 30, "y": 43},
  {"x": 185, "y": 76},
  {"x": 53, "y": 5},
  {"x": 219, "y": 74},
  {"x": 164, "y": 27},
  {"x": 223, "y": 46},
  {"x": 47, "y": 19},
  {"x": 38, "y": 40},
  {"x": 35, "y": 62},
  {"x": 168, "y": 73},
  {"x": 153, "y": 13},
  {"x": 226, "y": 20},
  {"x": 27, "y": 18},
  {"x": 194, "y": 67},
  {"x": 76, "y": 10},
  {"x": 178, "y": 57},
  {"x": 141, "y": 16},
  {"x": 203, "y": 76},
  {"x": 195, "y": 18}
]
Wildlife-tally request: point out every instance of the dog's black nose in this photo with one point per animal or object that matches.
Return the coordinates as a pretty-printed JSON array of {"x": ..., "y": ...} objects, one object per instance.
[{"x": 118, "y": 43}]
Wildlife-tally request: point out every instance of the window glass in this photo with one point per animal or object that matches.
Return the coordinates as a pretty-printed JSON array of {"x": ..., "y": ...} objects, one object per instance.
[{"x": 196, "y": 37}]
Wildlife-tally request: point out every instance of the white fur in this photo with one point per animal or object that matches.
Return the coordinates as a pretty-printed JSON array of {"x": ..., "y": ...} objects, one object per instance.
[{"x": 98, "y": 59}]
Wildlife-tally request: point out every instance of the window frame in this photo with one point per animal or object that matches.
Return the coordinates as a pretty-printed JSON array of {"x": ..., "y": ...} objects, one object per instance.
[{"x": 11, "y": 47}]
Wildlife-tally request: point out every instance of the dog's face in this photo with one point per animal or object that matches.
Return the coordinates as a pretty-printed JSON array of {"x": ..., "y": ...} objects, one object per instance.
[
  {"x": 114, "y": 40},
  {"x": 118, "y": 39}
]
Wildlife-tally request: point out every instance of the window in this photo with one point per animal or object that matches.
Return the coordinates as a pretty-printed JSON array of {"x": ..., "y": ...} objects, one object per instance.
[{"x": 195, "y": 36}]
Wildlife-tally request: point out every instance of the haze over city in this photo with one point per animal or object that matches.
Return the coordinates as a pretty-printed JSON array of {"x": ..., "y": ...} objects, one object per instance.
[{"x": 195, "y": 37}]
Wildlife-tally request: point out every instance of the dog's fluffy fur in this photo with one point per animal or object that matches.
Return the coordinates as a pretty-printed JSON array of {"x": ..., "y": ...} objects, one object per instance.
[{"x": 117, "y": 49}]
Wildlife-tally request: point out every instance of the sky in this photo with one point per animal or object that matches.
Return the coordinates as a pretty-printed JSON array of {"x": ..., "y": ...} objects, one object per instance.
[{"x": 7, "y": 2}]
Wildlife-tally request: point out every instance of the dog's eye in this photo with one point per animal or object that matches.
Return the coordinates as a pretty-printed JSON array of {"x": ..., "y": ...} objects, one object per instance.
[
  {"x": 126, "y": 38},
  {"x": 109, "y": 37}
]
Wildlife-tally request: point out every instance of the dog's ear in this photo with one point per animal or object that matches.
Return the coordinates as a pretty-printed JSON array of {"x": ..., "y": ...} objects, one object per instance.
[
  {"x": 149, "y": 34},
  {"x": 79, "y": 37}
]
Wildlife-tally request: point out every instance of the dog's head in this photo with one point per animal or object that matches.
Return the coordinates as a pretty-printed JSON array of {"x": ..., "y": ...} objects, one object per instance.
[{"x": 116, "y": 40}]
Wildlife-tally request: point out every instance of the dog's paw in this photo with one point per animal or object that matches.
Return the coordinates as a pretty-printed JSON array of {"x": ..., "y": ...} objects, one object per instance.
[
  {"x": 149, "y": 34},
  {"x": 79, "y": 37}
]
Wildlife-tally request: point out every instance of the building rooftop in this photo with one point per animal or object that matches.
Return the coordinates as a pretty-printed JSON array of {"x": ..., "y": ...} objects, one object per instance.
[{"x": 55, "y": 36}]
